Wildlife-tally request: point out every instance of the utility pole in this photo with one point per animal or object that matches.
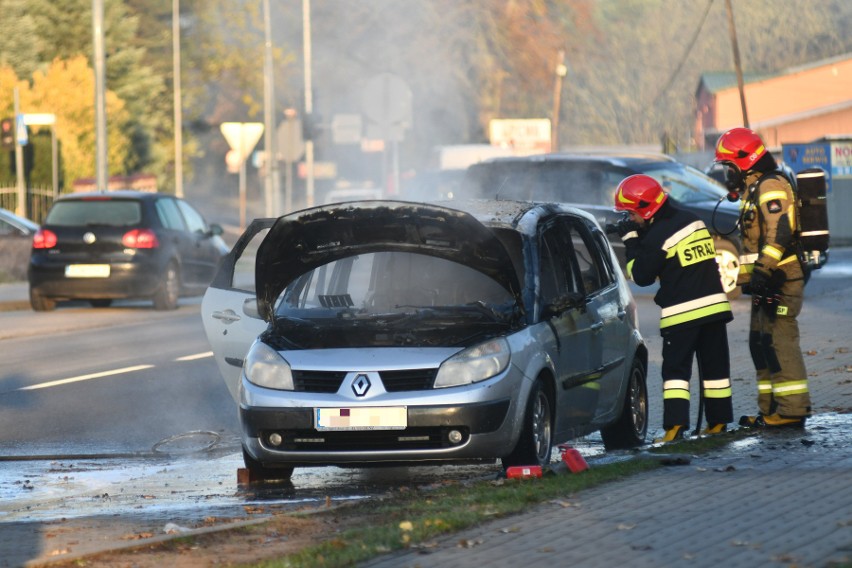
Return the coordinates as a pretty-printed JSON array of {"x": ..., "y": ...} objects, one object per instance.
[
  {"x": 561, "y": 70},
  {"x": 273, "y": 199},
  {"x": 21, "y": 207},
  {"x": 736, "y": 48},
  {"x": 309, "y": 103},
  {"x": 177, "y": 98},
  {"x": 101, "y": 164}
]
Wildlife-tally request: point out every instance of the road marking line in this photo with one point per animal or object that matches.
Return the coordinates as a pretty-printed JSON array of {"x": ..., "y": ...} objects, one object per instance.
[
  {"x": 196, "y": 356},
  {"x": 86, "y": 377}
]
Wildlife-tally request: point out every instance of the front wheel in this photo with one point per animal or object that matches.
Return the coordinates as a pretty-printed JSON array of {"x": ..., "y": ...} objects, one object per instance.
[
  {"x": 631, "y": 427},
  {"x": 536, "y": 440}
]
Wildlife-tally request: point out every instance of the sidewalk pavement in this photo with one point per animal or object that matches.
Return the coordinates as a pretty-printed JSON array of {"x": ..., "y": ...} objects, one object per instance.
[
  {"x": 14, "y": 296},
  {"x": 774, "y": 499}
]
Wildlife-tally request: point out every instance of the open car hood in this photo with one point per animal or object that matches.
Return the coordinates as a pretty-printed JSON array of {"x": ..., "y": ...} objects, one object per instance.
[{"x": 307, "y": 239}]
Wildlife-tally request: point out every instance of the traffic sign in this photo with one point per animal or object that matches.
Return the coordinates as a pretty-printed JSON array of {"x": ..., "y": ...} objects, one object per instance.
[
  {"x": 21, "y": 130},
  {"x": 242, "y": 136},
  {"x": 291, "y": 144}
]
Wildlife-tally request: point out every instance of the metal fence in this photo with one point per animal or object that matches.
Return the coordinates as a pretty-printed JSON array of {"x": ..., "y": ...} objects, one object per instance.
[{"x": 38, "y": 201}]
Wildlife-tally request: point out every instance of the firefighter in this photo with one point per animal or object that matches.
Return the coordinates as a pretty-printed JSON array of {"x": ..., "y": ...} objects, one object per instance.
[
  {"x": 674, "y": 246},
  {"x": 771, "y": 271}
]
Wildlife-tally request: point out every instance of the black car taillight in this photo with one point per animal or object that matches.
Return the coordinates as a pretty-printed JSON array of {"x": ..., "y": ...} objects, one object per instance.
[
  {"x": 44, "y": 239},
  {"x": 140, "y": 239}
]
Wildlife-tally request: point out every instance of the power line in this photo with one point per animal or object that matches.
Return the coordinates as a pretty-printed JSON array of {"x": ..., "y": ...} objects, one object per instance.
[{"x": 685, "y": 55}]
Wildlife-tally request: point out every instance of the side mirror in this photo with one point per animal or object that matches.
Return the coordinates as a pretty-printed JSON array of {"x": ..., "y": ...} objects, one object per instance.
[
  {"x": 215, "y": 230},
  {"x": 563, "y": 303},
  {"x": 250, "y": 308}
]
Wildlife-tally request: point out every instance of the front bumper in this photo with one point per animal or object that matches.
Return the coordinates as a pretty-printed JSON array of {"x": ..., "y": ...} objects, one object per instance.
[{"x": 486, "y": 432}]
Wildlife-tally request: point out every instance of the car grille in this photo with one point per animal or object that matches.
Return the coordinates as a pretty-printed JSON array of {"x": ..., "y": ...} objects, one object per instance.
[
  {"x": 394, "y": 381},
  {"x": 408, "y": 380},
  {"x": 318, "y": 381},
  {"x": 425, "y": 438}
]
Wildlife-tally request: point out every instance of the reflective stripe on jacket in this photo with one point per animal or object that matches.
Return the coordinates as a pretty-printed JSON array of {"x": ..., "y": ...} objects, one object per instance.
[{"x": 677, "y": 249}]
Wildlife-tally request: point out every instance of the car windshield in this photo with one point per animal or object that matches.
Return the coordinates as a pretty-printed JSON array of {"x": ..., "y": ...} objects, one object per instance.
[
  {"x": 391, "y": 299},
  {"x": 116, "y": 213},
  {"x": 570, "y": 182},
  {"x": 685, "y": 184}
]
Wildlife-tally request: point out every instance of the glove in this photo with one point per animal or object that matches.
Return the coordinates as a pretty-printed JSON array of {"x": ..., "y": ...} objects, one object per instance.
[
  {"x": 765, "y": 284},
  {"x": 627, "y": 229},
  {"x": 759, "y": 283}
]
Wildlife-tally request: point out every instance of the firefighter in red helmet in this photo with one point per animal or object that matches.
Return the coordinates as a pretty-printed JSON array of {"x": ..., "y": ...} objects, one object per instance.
[
  {"x": 772, "y": 272},
  {"x": 668, "y": 244}
]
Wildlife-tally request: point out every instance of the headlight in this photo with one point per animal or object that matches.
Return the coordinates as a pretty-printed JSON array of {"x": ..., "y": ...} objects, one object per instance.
[
  {"x": 264, "y": 367},
  {"x": 475, "y": 364}
]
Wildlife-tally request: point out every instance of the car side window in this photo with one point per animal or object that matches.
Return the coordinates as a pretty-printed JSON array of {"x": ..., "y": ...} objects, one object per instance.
[
  {"x": 556, "y": 269},
  {"x": 194, "y": 221},
  {"x": 170, "y": 217},
  {"x": 593, "y": 269},
  {"x": 243, "y": 278}
]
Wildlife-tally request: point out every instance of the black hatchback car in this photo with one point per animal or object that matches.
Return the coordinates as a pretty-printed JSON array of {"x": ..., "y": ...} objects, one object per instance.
[
  {"x": 121, "y": 245},
  {"x": 589, "y": 181}
]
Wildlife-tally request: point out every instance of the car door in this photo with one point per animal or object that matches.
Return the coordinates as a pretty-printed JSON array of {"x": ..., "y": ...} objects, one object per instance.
[
  {"x": 229, "y": 306},
  {"x": 576, "y": 336},
  {"x": 607, "y": 307},
  {"x": 203, "y": 254}
]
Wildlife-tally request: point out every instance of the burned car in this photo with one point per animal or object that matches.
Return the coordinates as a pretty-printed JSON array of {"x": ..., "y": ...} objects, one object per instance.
[{"x": 392, "y": 332}]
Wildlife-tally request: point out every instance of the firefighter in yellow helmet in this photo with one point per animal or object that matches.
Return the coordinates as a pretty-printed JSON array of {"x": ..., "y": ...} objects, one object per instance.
[
  {"x": 771, "y": 271},
  {"x": 674, "y": 246}
]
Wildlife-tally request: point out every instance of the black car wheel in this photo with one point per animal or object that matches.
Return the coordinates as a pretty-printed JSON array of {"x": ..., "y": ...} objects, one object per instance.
[
  {"x": 631, "y": 427},
  {"x": 166, "y": 297},
  {"x": 41, "y": 303},
  {"x": 259, "y": 472},
  {"x": 101, "y": 303},
  {"x": 536, "y": 440}
]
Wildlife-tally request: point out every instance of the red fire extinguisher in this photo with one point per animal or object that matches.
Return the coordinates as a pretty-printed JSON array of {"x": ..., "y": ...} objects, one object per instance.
[{"x": 572, "y": 458}]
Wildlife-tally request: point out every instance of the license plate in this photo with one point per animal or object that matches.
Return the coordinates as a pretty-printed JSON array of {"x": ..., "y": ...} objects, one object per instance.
[
  {"x": 87, "y": 271},
  {"x": 361, "y": 418}
]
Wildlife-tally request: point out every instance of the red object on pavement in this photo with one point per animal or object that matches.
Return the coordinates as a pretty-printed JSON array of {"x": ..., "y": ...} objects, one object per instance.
[
  {"x": 523, "y": 471},
  {"x": 573, "y": 459}
]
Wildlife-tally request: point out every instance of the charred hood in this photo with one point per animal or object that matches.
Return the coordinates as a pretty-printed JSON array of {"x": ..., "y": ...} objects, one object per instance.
[{"x": 304, "y": 240}]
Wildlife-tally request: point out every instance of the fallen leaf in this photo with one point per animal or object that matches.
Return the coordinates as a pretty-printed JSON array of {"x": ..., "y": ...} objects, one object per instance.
[
  {"x": 625, "y": 527},
  {"x": 563, "y": 504},
  {"x": 510, "y": 530}
]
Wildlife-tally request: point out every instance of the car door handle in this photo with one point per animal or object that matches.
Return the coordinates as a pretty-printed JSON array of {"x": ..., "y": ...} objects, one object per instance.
[
  {"x": 228, "y": 316},
  {"x": 596, "y": 326}
]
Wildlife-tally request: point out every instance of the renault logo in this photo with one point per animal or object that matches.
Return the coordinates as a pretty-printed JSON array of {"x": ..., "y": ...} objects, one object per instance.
[
  {"x": 360, "y": 385},
  {"x": 89, "y": 237}
]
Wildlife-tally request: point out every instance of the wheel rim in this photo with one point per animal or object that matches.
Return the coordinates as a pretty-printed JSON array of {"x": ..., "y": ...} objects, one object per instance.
[
  {"x": 541, "y": 426},
  {"x": 729, "y": 268},
  {"x": 638, "y": 403}
]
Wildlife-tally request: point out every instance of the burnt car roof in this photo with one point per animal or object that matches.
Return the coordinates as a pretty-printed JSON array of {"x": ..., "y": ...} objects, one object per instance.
[
  {"x": 307, "y": 239},
  {"x": 114, "y": 194}
]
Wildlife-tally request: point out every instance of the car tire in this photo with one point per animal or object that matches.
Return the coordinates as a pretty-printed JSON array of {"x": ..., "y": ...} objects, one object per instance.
[
  {"x": 41, "y": 303},
  {"x": 536, "y": 440},
  {"x": 631, "y": 427},
  {"x": 259, "y": 472},
  {"x": 101, "y": 303},
  {"x": 728, "y": 258},
  {"x": 166, "y": 297}
]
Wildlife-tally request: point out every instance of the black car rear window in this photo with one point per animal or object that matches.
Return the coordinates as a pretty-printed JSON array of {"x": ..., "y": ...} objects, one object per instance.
[{"x": 113, "y": 212}]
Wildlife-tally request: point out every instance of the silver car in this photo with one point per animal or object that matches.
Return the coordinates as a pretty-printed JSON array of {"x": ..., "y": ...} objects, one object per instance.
[{"x": 392, "y": 332}]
